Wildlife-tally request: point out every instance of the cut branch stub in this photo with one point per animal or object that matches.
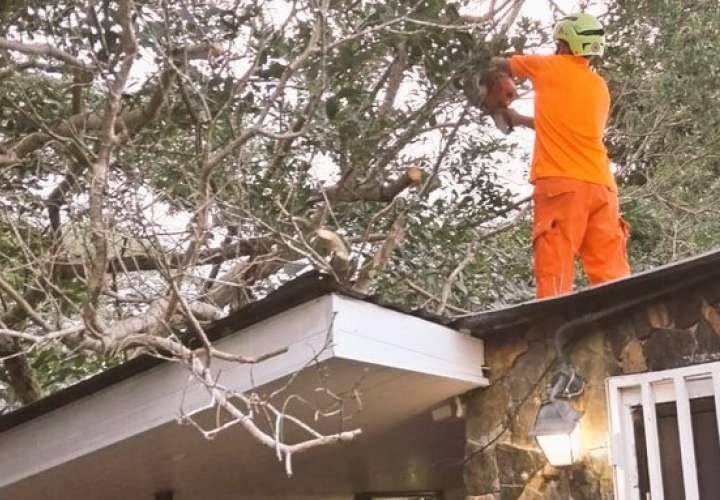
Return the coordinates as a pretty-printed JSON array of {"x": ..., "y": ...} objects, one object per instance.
[{"x": 332, "y": 243}]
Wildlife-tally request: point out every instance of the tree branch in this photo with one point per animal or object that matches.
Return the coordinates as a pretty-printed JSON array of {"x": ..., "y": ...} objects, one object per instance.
[
  {"x": 470, "y": 252},
  {"x": 130, "y": 122},
  {"x": 148, "y": 262},
  {"x": 99, "y": 169},
  {"x": 369, "y": 271},
  {"x": 395, "y": 78},
  {"x": 373, "y": 191},
  {"x": 43, "y": 50}
]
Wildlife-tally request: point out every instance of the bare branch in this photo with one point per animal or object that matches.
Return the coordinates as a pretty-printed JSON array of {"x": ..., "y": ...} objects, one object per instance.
[
  {"x": 43, "y": 50},
  {"x": 129, "y": 122},
  {"x": 370, "y": 271},
  {"x": 372, "y": 190},
  {"x": 470, "y": 253},
  {"x": 23, "y": 304}
]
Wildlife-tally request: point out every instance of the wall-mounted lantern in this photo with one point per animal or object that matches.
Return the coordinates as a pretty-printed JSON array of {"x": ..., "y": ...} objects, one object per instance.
[
  {"x": 557, "y": 432},
  {"x": 557, "y": 428}
]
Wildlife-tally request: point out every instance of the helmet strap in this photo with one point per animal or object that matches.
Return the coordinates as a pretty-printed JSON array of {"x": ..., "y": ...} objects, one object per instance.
[{"x": 562, "y": 48}]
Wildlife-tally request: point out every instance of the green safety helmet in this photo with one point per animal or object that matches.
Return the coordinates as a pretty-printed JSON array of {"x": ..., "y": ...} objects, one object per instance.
[{"x": 583, "y": 33}]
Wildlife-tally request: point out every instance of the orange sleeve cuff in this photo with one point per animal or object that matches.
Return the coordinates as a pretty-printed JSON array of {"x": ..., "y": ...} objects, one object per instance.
[{"x": 518, "y": 67}]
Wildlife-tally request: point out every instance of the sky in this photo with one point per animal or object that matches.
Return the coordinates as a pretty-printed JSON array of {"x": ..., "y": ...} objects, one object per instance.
[{"x": 541, "y": 9}]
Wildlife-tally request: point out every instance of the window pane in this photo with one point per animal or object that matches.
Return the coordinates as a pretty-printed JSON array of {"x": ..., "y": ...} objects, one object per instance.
[
  {"x": 641, "y": 451},
  {"x": 707, "y": 450},
  {"x": 670, "y": 460},
  {"x": 670, "y": 455}
]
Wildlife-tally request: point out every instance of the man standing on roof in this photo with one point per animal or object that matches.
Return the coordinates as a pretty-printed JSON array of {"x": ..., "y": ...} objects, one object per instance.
[{"x": 575, "y": 197}]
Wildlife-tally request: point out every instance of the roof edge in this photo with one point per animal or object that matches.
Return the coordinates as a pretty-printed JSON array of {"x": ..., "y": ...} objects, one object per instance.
[{"x": 305, "y": 288}]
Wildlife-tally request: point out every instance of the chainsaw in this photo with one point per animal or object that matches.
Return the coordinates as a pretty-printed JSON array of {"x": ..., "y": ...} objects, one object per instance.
[{"x": 493, "y": 93}]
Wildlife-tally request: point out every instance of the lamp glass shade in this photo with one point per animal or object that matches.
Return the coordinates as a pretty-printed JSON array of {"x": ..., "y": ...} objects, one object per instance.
[
  {"x": 561, "y": 449},
  {"x": 557, "y": 432}
]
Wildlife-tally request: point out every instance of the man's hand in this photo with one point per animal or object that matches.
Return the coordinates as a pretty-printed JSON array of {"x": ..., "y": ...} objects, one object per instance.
[
  {"x": 515, "y": 119},
  {"x": 500, "y": 65}
]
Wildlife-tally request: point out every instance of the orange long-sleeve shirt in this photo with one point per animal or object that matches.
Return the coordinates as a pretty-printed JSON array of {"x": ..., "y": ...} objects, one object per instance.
[{"x": 572, "y": 104}]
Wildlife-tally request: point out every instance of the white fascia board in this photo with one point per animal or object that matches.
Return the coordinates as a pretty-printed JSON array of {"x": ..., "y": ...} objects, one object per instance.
[
  {"x": 153, "y": 397},
  {"x": 366, "y": 332}
]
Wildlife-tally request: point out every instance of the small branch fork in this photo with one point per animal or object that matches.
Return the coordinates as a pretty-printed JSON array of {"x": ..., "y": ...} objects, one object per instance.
[
  {"x": 222, "y": 398},
  {"x": 472, "y": 248},
  {"x": 244, "y": 409}
]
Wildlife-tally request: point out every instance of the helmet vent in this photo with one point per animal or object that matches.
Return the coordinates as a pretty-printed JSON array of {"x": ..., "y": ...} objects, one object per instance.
[{"x": 592, "y": 32}]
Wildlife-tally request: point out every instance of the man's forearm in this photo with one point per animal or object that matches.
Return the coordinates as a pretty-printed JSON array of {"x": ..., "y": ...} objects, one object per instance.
[
  {"x": 515, "y": 119},
  {"x": 525, "y": 121}
]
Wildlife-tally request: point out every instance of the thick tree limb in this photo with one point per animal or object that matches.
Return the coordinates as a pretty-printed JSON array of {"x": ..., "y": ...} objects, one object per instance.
[
  {"x": 149, "y": 262},
  {"x": 21, "y": 376},
  {"x": 373, "y": 191},
  {"x": 43, "y": 50},
  {"x": 370, "y": 270},
  {"x": 129, "y": 122},
  {"x": 153, "y": 320},
  {"x": 99, "y": 169},
  {"x": 395, "y": 77},
  {"x": 13, "y": 69}
]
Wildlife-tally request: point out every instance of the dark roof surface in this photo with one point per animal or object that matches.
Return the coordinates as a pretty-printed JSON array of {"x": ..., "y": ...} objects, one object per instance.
[{"x": 637, "y": 288}]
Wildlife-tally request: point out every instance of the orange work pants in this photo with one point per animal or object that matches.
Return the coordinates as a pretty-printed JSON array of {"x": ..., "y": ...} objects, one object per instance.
[{"x": 575, "y": 218}]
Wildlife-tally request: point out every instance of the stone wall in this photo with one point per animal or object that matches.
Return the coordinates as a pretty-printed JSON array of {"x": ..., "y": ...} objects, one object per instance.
[{"x": 504, "y": 463}]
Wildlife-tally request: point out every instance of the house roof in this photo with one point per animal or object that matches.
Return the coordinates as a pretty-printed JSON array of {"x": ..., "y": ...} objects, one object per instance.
[
  {"x": 602, "y": 300},
  {"x": 305, "y": 288},
  {"x": 340, "y": 364},
  {"x": 298, "y": 291},
  {"x": 611, "y": 297}
]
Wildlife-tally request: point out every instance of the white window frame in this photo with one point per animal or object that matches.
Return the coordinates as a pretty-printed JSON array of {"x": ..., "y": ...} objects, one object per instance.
[{"x": 648, "y": 389}]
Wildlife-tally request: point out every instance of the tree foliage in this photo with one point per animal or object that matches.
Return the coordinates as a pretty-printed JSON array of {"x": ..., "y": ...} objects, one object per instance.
[
  {"x": 663, "y": 66},
  {"x": 163, "y": 163}
]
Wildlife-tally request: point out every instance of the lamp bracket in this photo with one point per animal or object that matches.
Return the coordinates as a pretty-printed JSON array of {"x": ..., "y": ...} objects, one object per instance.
[{"x": 566, "y": 383}]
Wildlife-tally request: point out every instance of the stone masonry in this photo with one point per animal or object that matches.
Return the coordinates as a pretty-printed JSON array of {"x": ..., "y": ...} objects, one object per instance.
[{"x": 504, "y": 463}]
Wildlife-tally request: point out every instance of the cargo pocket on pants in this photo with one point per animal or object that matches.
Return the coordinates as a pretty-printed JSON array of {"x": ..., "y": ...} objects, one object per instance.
[
  {"x": 547, "y": 241},
  {"x": 625, "y": 230}
]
